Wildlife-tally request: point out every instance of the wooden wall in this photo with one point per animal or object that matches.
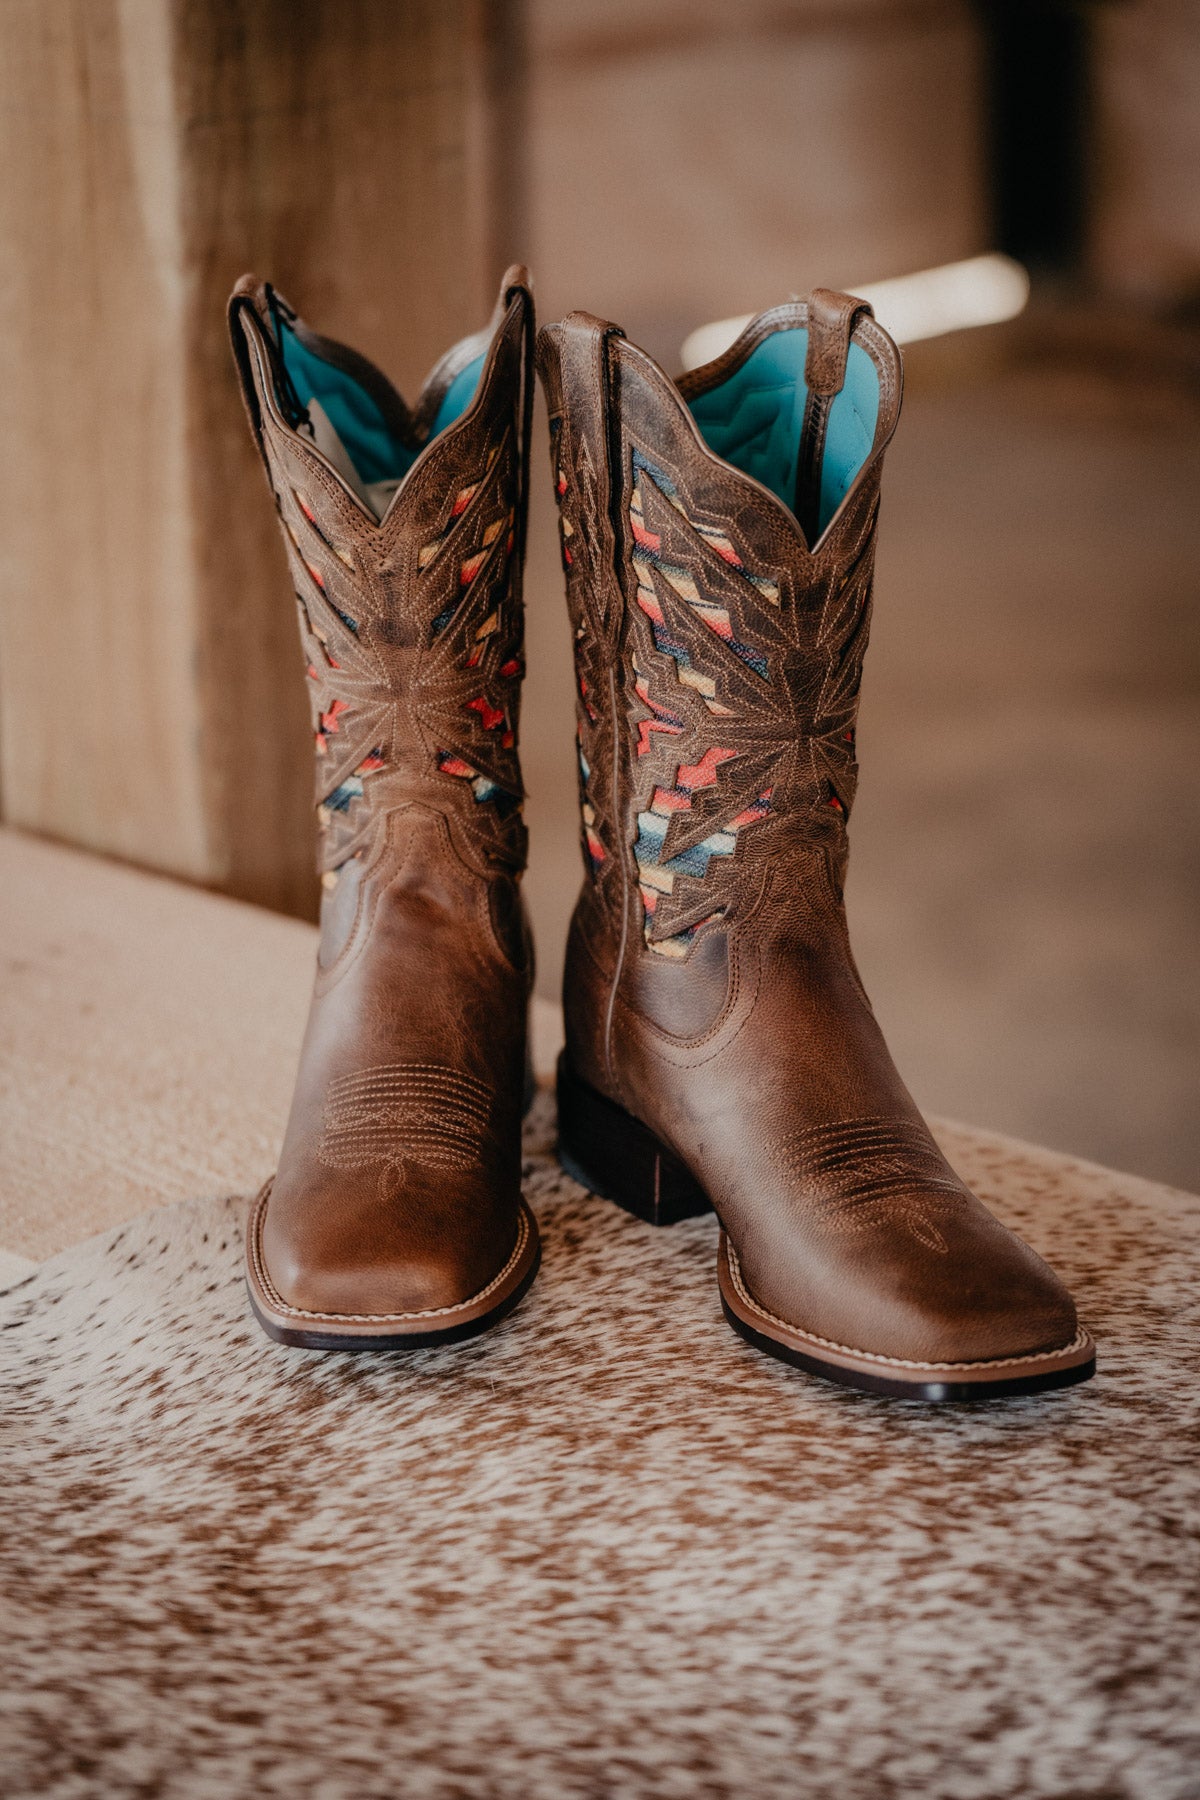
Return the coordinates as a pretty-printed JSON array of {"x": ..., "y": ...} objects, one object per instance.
[{"x": 150, "y": 699}]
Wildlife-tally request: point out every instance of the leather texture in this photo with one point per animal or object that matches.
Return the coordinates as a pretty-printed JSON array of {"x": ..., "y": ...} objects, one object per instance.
[
  {"x": 396, "y": 1204},
  {"x": 710, "y": 989}
]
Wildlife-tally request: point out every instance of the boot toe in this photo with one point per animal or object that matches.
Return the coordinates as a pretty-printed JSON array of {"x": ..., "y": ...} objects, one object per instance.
[
  {"x": 992, "y": 1298},
  {"x": 971, "y": 1293},
  {"x": 365, "y": 1288},
  {"x": 362, "y": 1271}
]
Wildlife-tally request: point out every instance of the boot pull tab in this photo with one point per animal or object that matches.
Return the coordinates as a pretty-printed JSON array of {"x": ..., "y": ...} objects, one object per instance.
[
  {"x": 831, "y": 318},
  {"x": 250, "y": 306},
  {"x": 582, "y": 343}
]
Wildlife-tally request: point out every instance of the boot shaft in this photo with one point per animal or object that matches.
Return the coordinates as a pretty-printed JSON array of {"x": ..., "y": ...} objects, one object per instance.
[
  {"x": 404, "y": 533},
  {"x": 718, "y": 656}
]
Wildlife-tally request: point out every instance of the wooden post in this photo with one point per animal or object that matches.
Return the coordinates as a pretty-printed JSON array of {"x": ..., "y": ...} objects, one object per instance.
[{"x": 151, "y": 704}]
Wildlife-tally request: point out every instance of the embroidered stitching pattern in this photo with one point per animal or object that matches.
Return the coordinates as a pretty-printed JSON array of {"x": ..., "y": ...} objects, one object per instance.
[
  {"x": 475, "y": 660},
  {"x": 343, "y": 556},
  {"x": 351, "y": 788},
  {"x": 483, "y": 786},
  {"x": 312, "y": 571},
  {"x": 387, "y": 1118},
  {"x": 568, "y": 498},
  {"x": 685, "y": 826},
  {"x": 648, "y": 556},
  {"x": 458, "y": 507},
  {"x": 870, "y": 1172},
  {"x": 351, "y": 729},
  {"x": 657, "y": 871}
]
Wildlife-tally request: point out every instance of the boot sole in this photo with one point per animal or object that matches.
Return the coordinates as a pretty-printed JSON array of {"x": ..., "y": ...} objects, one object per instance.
[
  {"x": 613, "y": 1155},
  {"x": 388, "y": 1331}
]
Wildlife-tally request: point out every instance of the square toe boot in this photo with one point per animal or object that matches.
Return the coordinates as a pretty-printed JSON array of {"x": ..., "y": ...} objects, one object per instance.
[
  {"x": 395, "y": 1217},
  {"x": 718, "y": 538}
]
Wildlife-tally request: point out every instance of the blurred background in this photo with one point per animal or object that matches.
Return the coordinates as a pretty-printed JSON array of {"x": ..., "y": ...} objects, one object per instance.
[{"x": 1024, "y": 879}]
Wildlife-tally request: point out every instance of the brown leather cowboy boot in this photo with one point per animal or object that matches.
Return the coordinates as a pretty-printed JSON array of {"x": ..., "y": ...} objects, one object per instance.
[
  {"x": 720, "y": 1048},
  {"x": 395, "y": 1218}
]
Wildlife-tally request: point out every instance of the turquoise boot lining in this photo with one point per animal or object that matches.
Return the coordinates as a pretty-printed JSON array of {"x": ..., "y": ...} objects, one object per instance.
[
  {"x": 376, "y": 452},
  {"x": 754, "y": 419}
]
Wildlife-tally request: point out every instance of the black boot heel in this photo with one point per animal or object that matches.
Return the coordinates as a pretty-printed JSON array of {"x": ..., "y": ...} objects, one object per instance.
[{"x": 612, "y": 1154}]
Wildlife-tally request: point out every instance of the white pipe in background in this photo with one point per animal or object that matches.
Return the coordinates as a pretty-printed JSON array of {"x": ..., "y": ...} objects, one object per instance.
[{"x": 983, "y": 290}]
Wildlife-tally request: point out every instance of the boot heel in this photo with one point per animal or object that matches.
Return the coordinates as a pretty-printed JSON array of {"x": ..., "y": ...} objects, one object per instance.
[{"x": 612, "y": 1154}]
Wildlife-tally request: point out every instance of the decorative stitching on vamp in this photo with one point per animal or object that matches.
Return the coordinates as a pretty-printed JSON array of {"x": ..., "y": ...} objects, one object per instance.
[
  {"x": 392, "y": 1116},
  {"x": 861, "y": 1173}
]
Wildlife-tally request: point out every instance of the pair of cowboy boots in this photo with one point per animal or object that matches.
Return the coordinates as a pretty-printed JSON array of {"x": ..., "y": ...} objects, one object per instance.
[{"x": 718, "y": 538}]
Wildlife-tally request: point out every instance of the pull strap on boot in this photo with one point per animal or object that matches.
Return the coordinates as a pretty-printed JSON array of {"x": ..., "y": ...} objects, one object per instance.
[{"x": 831, "y": 318}]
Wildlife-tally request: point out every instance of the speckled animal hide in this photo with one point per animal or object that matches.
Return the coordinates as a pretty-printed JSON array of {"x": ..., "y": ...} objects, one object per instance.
[{"x": 606, "y": 1551}]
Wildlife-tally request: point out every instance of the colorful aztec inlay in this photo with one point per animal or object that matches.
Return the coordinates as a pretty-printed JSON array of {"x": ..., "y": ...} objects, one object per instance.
[
  {"x": 492, "y": 718},
  {"x": 343, "y": 556},
  {"x": 662, "y": 719},
  {"x": 351, "y": 788},
  {"x": 482, "y": 786},
  {"x": 311, "y": 570},
  {"x": 329, "y": 723},
  {"x": 565, "y": 528},
  {"x": 595, "y": 849},
  {"x": 476, "y": 587},
  {"x": 471, "y": 567},
  {"x": 314, "y": 573},
  {"x": 657, "y": 876},
  {"x": 462, "y": 500},
  {"x": 647, "y": 556}
]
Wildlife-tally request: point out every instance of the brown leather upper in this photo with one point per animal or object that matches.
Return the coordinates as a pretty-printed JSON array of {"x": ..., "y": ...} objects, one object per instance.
[
  {"x": 710, "y": 988},
  {"x": 398, "y": 1185}
]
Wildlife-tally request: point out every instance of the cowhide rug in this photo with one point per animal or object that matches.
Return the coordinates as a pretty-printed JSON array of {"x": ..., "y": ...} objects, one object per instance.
[{"x": 607, "y": 1550}]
